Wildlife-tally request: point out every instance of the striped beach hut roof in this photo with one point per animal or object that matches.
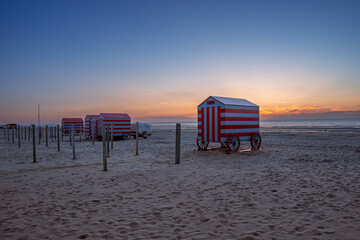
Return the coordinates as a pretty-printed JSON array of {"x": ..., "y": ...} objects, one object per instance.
[
  {"x": 114, "y": 115},
  {"x": 88, "y": 117},
  {"x": 232, "y": 101}
]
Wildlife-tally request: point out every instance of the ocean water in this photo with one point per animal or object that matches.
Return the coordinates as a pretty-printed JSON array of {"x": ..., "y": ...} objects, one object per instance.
[{"x": 352, "y": 123}]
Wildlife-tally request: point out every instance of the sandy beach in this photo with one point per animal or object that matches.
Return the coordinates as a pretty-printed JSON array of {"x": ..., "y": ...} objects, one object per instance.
[{"x": 301, "y": 185}]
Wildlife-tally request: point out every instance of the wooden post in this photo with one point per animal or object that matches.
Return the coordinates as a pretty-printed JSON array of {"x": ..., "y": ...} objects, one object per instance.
[
  {"x": 29, "y": 133},
  {"x": 39, "y": 134},
  {"x": 137, "y": 138},
  {"x": 34, "y": 147},
  {"x": 16, "y": 131},
  {"x": 13, "y": 140},
  {"x": 25, "y": 128},
  {"x": 107, "y": 140},
  {"x": 4, "y": 133},
  {"x": 46, "y": 135},
  {"x": 55, "y": 129},
  {"x": 70, "y": 136},
  {"x": 112, "y": 135},
  {"x": 19, "y": 135},
  {"x": 58, "y": 139},
  {"x": 62, "y": 134},
  {"x": 177, "y": 143},
  {"x": 52, "y": 133},
  {"x": 104, "y": 148},
  {"x": 73, "y": 140},
  {"x": 80, "y": 134}
]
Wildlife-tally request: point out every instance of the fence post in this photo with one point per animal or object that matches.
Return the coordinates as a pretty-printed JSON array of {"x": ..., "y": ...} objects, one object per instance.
[
  {"x": 73, "y": 140},
  {"x": 112, "y": 135},
  {"x": 62, "y": 134},
  {"x": 70, "y": 135},
  {"x": 13, "y": 140},
  {"x": 39, "y": 134},
  {"x": 4, "y": 133},
  {"x": 177, "y": 144},
  {"x": 137, "y": 138},
  {"x": 52, "y": 133},
  {"x": 104, "y": 148},
  {"x": 34, "y": 147},
  {"x": 58, "y": 139},
  {"x": 46, "y": 135},
  {"x": 19, "y": 135},
  {"x": 107, "y": 140}
]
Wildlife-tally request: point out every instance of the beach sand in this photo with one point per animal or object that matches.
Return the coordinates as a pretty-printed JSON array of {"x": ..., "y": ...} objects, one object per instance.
[{"x": 301, "y": 185}]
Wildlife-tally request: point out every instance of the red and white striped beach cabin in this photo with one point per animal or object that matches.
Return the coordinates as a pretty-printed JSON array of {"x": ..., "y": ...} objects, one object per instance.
[
  {"x": 93, "y": 126},
  {"x": 67, "y": 123},
  {"x": 121, "y": 122},
  {"x": 228, "y": 121},
  {"x": 87, "y": 125}
]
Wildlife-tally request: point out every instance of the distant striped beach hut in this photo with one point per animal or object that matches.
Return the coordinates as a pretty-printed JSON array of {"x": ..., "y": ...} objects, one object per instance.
[
  {"x": 87, "y": 125},
  {"x": 93, "y": 126},
  {"x": 67, "y": 123},
  {"x": 120, "y": 121},
  {"x": 228, "y": 121}
]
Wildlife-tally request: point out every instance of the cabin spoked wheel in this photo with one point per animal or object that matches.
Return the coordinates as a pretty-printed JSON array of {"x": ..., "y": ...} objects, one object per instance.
[
  {"x": 223, "y": 144},
  {"x": 255, "y": 141},
  {"x": 233, "y": 143},
  {"x": 202, "y": 145}
]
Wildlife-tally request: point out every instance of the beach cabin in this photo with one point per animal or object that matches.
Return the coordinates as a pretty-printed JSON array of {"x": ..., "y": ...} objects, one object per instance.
[
  {"x": 93, "y": 126},
  {"x": 87, "y": 125},
  {"x": 121, "y": 124},
  {"x": 67, "y": 123},
  {"x": 228, "y": 121}
]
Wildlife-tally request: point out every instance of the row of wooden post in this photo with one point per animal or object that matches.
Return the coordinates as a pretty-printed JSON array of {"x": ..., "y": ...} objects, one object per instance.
[{"x": 105, "y": 140}]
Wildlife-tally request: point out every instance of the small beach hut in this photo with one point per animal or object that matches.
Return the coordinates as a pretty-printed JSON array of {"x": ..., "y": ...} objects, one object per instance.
[
  {"x": 228, "y": 121},
  {"x": 121, "y": 124},
  {"x": 67, "y": 123},
  {"x": 93, "y": 126},
  {"x": 87, "y": 125}
]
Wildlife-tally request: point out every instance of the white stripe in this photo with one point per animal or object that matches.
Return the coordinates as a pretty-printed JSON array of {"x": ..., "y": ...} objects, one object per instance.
[
  {"x": 239, "y": 115},
  {"x": 199, "y": 115},
  {"x": 210, "y": 124},
  {"x": 245, "y": 138}
]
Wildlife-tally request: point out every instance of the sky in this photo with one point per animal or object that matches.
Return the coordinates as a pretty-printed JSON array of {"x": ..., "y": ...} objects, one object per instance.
[{"x": 158, "y": 60}]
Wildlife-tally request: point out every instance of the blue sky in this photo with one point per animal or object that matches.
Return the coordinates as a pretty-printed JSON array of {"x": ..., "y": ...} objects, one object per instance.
[{"x": 158, "y": 59}]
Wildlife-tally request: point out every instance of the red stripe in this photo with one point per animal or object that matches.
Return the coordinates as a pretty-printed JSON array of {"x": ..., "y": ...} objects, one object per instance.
[
  {"x": 239, "y": 126},
  {"x": 239, "y": 111},
  {"x": 239, "y": 119},
  {"x": 202, "y": 124},
  {"x": 219, "y": 123},
  {"x": 213, "y": 124},
  {"x": 207, "y": 124},
  {"x": 239, "y": 134}
]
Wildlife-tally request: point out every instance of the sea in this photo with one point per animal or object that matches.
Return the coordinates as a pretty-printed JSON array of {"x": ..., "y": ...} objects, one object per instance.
[{"x": 299, "y": 124}]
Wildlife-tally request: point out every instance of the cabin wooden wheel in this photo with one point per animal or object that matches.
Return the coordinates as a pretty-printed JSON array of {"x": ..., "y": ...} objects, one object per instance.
[
  {"x": 233, "y": 143},
  {"x": 255, "y": 141},
  {"x": 202, "y": 145}
]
